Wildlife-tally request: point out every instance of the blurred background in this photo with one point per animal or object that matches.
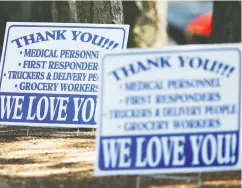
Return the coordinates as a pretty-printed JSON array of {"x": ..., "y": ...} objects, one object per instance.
[
  {"x": 189, "y": 22},
  {"x": 153, "y": 23}
]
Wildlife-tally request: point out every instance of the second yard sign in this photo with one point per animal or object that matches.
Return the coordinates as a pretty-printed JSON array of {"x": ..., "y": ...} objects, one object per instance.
[
  {"x": 173, "y": 110},
  {"x": 49, "y": 72}
]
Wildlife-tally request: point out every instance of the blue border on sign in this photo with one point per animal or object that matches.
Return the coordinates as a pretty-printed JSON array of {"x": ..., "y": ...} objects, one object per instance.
[
  {"x": 164, "y": 52},
  {"x": 54, "y": 26}
]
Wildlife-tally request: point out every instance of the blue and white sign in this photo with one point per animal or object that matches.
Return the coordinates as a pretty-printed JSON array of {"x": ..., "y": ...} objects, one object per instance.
[
  {"x": 49, "y": 72},
  {"x": 173, "y": 110}
]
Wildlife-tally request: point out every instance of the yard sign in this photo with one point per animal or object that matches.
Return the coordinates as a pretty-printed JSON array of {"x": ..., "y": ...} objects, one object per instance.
[
  {"x": 173, "y": 110},
  {"x": 49, "y": 72}
]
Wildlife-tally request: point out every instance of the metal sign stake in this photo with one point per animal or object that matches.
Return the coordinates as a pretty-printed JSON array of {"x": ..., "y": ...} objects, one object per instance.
[
  {"x": 28, "y": 131},
  {"x": 138, "y": 181},
  {"x": 77, "y": 133},
  {"x": 199, "y": 180}
]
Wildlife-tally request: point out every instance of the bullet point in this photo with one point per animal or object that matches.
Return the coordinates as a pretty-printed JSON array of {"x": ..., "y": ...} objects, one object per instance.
[
  {"x": 20, "y": 52},
  {"x": 19, "y": 64},
  {"x": 16, "y": 85},
  {"x": 5, "y": 74}
]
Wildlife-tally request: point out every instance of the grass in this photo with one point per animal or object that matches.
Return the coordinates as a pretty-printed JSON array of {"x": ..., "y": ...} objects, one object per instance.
[{"x": 58, "y": 158}]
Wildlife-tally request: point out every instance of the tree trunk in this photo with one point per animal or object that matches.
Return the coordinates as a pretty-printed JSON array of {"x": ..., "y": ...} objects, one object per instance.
[
  {"x": 103, "y": 12},
  {"x": 226, "y": 26},
  {"x": 100, "y": 12},
  {"x": 148, "y": 23}
]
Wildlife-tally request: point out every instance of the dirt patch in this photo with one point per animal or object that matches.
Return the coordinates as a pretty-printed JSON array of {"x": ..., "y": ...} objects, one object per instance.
[{"x": 58, "y": 158}]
